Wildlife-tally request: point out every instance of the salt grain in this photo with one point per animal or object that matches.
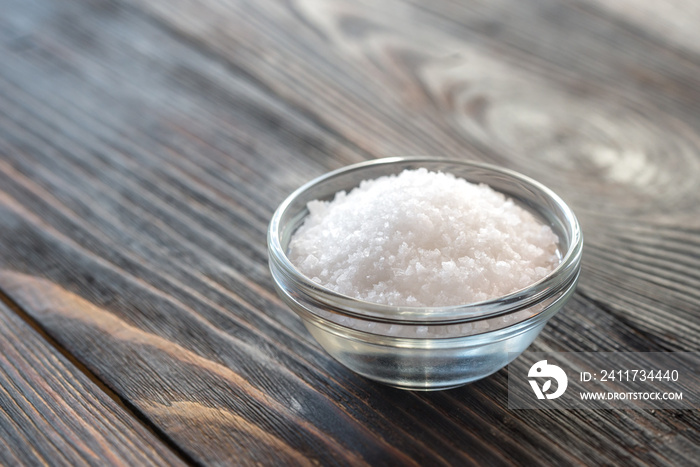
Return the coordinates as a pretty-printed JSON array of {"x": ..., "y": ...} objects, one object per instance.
[{"x": 422, "y": 238}]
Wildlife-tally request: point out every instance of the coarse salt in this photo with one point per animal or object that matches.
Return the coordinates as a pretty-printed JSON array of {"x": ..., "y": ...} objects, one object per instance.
[{"x": 422, "y": 238}]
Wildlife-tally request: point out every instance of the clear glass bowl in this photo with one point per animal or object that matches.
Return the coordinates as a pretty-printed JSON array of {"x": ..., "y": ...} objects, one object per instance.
[{"x": 426, "y": 348}]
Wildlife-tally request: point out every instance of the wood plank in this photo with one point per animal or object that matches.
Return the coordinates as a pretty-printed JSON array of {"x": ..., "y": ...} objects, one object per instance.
[
  {"x": 53, "y": 414},
  {"x": 674, "y": 23},
  {"x": 143, "y": 157}
]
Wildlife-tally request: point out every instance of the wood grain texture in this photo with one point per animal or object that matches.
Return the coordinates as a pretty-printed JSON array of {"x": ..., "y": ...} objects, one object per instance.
[
  {"x": 603, "y": 114},
  {"x": 145, "y": 145},
  {"x": 52, "y": 414}
]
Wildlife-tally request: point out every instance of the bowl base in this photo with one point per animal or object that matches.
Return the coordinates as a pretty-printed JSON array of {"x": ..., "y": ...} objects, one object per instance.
[{"x": 424, "y": 388}]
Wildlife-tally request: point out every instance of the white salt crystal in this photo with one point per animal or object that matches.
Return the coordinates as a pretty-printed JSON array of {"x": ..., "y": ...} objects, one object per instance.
[{"x": 422, "y": 238}]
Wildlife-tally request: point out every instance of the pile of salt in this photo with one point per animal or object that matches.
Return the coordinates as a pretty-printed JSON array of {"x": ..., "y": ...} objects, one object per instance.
[{"x": 423, "y": 238}]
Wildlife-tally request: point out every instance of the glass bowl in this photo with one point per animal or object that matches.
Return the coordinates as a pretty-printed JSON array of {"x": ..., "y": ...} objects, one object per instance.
[{"x": 426, "y": 348}]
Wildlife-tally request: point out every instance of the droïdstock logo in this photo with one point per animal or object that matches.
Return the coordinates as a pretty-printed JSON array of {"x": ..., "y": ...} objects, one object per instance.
[{"x": 542, "y": 369}]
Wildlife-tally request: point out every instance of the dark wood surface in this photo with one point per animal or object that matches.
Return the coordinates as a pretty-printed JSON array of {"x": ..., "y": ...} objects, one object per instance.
[
  {"x": 51, "y": 413},
  {"x": 145, "y": 144}
]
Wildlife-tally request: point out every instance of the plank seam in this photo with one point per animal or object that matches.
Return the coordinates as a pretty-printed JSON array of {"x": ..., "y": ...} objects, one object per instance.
[{"x": 131, "y": 410}]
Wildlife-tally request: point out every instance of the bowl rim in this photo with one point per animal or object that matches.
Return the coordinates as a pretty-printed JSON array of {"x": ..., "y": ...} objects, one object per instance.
[{"x": 562, "y": 277}]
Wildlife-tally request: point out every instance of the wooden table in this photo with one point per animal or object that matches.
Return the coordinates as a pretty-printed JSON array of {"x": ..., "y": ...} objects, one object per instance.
[{"x": 145, "y": 144}]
